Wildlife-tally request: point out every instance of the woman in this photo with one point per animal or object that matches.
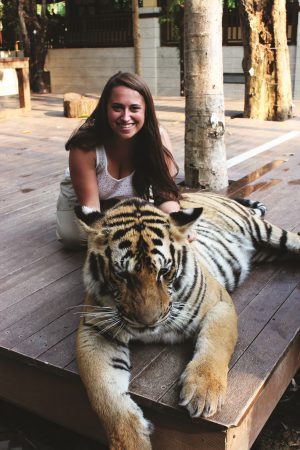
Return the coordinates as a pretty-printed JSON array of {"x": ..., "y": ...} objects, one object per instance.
[{"x": 119, "y": 152}]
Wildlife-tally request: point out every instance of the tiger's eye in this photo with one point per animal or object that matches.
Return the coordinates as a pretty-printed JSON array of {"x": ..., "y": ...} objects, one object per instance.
[{"x": 162, "y": 272}]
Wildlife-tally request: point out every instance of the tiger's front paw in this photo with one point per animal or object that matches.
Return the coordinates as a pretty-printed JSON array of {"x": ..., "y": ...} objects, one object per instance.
[
  {"x": 203, "y": 389},
  {"x": 132, "y": 431}
]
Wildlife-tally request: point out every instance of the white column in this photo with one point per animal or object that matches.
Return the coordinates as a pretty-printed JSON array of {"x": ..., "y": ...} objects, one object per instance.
[
  {"x": 150, "y": 42},
  {"x": 297, "y": 65}
]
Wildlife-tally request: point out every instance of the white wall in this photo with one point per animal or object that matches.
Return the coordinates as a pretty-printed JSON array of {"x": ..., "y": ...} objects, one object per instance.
[
  {"x": 8, "y": 82},
  {"x": 297, "y": 64},
  {"x": 86, "y": 70}
]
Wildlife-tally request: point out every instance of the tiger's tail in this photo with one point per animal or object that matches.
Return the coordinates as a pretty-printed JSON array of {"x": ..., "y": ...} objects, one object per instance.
[
  {"x": 269, "y": 235},
  {"x": 257, "y": 207}
]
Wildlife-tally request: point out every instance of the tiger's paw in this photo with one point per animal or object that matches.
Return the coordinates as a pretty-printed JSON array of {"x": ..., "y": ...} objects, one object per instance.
[
  {"x": 203, "y": 389},
  {"x": 132, "y": 431}
]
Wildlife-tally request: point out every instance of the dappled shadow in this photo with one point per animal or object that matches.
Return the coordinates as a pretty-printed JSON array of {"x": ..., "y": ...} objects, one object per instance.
[{"x": 54, "y": 113}]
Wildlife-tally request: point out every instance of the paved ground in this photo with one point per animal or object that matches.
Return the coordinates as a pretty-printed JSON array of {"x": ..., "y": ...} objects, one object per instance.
[{"x": 46, "y": 126}]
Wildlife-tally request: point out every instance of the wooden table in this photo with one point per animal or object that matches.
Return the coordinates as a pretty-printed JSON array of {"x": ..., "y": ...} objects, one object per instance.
[{"x": 21, "y": 65}]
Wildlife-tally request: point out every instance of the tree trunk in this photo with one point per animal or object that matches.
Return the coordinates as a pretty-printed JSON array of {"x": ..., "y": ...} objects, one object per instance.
[
  {"x": 268, "y": 90},
  {"x": 34, "y": 37},
  {"x": 23, "y": 27},
  {"x": 205, "y": 156},
  {"x": 136, "y": 38},
  {"x": 39, "y": 27}
]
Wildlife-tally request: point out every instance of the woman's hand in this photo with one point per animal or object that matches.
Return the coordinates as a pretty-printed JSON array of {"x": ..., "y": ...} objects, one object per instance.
[
  {"x": 192, "y": 236},
  {"x": 169, "y": 206}
]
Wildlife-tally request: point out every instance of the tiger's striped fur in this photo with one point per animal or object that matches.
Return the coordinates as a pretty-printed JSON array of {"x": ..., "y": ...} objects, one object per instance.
[{"x": 146, "y": 281}]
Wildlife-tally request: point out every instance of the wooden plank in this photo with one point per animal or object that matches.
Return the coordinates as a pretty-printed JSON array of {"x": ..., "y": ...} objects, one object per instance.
[
  {"x": 13, "y": 62},
  {"x": 59, "y": 301},
  {"x": 140, "y": 358},
  {"x": 38, "y": 248},
  {"x": 33, "y": 198},
  {"x": 43, "y": 181},
  {"x": 51, "y": 334},
  {"x": 259, "y": 277},
  {"x": 243, "y": 436},
  {"x": 261, "y": 310},
  {"x": 255, "y": 366},
  {"x": 38, "y": 236},
  {"x": 61, "y": 354},
  {"x": 37, "y": 276},
  {"x": 278, "y": 152},
  {"x": 17, "y": 310}
]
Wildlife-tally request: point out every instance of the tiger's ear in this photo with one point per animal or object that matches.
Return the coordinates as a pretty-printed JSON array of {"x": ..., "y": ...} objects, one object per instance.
[
  {"x": 185, "y": 218},
  {"x": 87, "y": 218}
]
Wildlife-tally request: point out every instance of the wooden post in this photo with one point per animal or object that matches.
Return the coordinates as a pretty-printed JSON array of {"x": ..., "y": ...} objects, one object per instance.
[
  {"x": 136, "y": 37},
  {"x": 24, "y": 88}
]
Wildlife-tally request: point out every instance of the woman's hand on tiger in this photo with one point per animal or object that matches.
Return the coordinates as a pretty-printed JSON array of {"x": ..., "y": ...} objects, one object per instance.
[{"x": 192, "y": 236}]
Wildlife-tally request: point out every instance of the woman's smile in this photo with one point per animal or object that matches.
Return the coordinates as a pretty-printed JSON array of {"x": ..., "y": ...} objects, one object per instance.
[{"x": 125, "y": 112}]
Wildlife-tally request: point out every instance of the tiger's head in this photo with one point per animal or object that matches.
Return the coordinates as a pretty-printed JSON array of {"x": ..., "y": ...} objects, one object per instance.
[{"x": 132, "y": 259}]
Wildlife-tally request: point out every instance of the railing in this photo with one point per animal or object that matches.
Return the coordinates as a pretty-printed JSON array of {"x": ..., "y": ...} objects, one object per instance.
[
  {"x": 232, "y": 34},
  {"x": 292, "y": 21},
  {"x": 114, "y": 29},
  {"x": 169, "y": 29},
  {"x": 110, "y": 29}
]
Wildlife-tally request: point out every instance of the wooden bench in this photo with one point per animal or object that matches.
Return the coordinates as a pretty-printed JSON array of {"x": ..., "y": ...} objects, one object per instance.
[
  {"x": 41, "y": 287},
  {"x": 21, "y": 65}
]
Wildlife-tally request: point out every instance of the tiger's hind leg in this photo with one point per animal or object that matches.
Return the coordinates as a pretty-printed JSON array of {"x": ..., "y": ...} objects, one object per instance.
[{"x": 104, "y": 369}]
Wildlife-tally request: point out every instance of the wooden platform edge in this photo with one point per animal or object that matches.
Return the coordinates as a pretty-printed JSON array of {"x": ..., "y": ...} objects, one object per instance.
[
  {"x": 60, "y": 397},
  {"x": 243, "y": 436}
]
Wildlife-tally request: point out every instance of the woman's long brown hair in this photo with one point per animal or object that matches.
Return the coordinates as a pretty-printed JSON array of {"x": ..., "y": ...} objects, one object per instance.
[{"x": 150, "y": 156}]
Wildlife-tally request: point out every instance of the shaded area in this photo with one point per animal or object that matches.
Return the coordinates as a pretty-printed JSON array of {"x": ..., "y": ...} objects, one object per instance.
[
  {"x": 282, "y": 431},
  {"x": 20, "y": 430}
]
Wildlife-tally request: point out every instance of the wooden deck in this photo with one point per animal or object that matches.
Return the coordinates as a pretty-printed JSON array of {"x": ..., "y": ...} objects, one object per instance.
[{"x": 41, "y": 287}]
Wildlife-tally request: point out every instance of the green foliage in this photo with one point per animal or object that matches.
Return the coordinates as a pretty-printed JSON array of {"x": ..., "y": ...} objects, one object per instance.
[
  {"x": 231, "y": 4},
  {"x": 122, "y": 4},
  {"x": 10, "y": 22},
  {"x": 58, "y": 8},
  {"x": 175, "y": 5}
]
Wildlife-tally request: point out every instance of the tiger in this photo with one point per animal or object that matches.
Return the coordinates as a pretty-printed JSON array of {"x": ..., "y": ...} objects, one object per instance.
[{"x": 146, "y": 281}]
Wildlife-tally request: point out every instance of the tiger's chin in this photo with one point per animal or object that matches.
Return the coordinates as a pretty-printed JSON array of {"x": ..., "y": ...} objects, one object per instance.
[{"x": 146, "y": 326}]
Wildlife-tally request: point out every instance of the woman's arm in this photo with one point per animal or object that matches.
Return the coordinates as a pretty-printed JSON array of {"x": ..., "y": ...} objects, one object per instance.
[
  {"x": 82, "y": 165},
  {"x": 172, "y": 206}
]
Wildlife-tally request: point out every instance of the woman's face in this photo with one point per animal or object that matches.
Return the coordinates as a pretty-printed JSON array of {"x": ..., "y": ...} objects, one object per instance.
[{"x": 125, "y": 112}]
